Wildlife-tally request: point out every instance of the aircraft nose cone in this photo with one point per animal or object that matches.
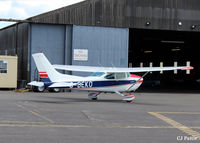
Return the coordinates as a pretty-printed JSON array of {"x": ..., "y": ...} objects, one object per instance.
[{"x": 137, "y": 78}]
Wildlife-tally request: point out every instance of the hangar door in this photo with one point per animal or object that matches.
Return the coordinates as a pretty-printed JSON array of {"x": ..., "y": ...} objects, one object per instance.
[
  {"x": 54, "y": 41},
  {"x": 101, "y": 46},
  {"x": 166, "y": 48}
]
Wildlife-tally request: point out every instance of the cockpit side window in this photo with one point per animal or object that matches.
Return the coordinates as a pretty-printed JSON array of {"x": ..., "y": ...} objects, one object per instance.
[
  {"x": 128, "y": 74},
  {"x": 120, "y": 75},
  {"x": 116, "y": 76}
]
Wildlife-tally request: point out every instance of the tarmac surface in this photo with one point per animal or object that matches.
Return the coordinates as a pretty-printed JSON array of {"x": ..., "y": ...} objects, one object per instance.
[{"x": 72, "y": 118}]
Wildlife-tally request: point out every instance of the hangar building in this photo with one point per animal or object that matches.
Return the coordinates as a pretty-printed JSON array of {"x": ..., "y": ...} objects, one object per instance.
[{"x": 117, "y": 33}]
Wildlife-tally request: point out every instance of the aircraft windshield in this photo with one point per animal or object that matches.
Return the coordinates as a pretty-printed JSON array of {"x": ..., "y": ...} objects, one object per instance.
[{"x": 97, "y": 74}]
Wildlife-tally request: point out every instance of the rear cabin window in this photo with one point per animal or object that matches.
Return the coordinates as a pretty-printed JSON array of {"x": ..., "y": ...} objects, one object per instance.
[
  {"x": 110, "y": 76},
  {"x": 3, "y": 66},
  {"x": 97, "y": 74}
]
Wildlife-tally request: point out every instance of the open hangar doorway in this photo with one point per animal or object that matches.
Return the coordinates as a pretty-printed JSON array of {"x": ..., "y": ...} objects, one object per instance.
[{"x": 166, "y": 48}]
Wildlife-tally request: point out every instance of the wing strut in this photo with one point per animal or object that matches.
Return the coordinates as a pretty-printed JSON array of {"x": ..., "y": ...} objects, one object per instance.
[{"x": 138, "y": 80}]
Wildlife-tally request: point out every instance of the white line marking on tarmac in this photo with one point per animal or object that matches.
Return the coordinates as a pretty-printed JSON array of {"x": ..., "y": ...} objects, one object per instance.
[
  {"x": 35, "y": 113},
  {"x": 89, "y": 115},
  {"x": 5, "y": 123}
]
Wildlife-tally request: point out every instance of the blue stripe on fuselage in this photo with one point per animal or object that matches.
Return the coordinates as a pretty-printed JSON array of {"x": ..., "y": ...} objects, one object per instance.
[
  {"x": 46, "y": 80},
  {"x": 111, "y": 83},
  {"x": 99, "y": 84},
  {"x": 95, "y": 84}
]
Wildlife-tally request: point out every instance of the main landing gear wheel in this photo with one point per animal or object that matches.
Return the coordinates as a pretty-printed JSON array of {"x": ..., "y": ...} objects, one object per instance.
[
  {"x": 129, "y": 101},
  {"x": 38, "y": 88},
  {"x": 93, "y": 96},
  {"x": 54, "y": 89}
]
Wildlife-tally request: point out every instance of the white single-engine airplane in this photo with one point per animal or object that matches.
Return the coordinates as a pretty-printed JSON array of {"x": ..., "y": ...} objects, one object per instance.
[{"x": 103, "y": 79}]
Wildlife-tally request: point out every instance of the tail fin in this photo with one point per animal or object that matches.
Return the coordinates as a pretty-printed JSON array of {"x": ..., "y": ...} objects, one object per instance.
[{"x": 45, "y": 69}]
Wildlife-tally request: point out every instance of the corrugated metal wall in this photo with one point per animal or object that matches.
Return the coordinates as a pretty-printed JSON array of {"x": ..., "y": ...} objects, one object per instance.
[
  {"x": 8, "y": 41},
  {"x": 14, "y": 41},
  {"x": 53, "y": 40},
  {"x": 106, "y": 46},
  {"x": 22, "y": 51}
]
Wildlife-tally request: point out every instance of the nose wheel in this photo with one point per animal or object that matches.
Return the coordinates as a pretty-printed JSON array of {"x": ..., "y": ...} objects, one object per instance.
[{"x": 128, "y": 97}]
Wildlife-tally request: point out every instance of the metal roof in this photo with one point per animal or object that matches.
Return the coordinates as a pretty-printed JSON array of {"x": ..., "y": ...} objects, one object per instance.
[
  {"x": 181, "y": 15},
  {"x": 147, "y": 14}
]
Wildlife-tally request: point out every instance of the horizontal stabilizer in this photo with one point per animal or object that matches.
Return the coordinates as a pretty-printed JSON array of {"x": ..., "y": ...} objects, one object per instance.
[
  {"x": 62, "y": 84},
  {"x": 36, "y": 83}
]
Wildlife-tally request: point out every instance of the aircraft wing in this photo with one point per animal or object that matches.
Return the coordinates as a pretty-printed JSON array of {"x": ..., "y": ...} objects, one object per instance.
[
  {"x": 118, "y": 70},
  {"x": 62, "y": 84}
]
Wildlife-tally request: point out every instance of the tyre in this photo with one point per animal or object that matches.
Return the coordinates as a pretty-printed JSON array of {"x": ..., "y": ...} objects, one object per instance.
[
  {"x": 54, "y": 89},
  {"x": 38, "y": 89}
]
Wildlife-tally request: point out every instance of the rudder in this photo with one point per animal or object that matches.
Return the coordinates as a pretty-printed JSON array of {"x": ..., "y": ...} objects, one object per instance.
[{"x": 46, "y": 71}]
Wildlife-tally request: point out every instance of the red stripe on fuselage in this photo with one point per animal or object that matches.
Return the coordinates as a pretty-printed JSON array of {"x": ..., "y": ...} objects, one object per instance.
[
  {"x": 43, "y": 75},
  {"x": 42, "y": 72}
]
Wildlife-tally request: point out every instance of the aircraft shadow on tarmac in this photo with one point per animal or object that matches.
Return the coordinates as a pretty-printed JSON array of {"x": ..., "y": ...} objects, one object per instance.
[
  {"x": 150, "y": 104},
  {"x": 66, "y": 100}
]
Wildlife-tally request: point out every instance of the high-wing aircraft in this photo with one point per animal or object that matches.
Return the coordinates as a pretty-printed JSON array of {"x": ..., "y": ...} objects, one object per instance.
[{"x": 103, "y": 79}]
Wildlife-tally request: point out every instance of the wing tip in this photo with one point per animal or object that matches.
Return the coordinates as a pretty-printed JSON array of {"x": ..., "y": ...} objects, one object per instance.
[{"x": 187, "y": 68}]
